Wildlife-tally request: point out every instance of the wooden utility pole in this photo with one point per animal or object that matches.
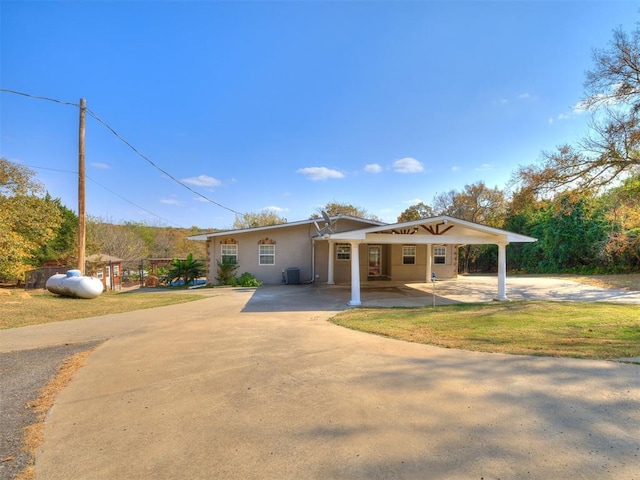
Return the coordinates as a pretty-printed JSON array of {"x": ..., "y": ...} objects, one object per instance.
[{"x": 82, "y": 223}]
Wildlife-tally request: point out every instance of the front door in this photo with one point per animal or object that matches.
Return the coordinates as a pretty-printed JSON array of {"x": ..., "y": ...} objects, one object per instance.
[{"x": 375, "y": 257}]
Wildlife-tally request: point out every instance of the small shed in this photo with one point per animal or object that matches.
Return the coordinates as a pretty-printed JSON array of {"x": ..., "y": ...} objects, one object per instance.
[{"x": 108, "y": 269}]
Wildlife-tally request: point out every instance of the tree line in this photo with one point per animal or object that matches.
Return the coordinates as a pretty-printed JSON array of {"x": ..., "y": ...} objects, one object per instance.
[{"x": 581, "y": 201}]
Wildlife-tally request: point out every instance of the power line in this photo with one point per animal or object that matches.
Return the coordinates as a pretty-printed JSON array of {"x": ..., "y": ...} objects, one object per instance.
[
  {"x": 135, "y": 205},
  {"x": 135, "y": 150},
  {"x": 47, "y": 168},
  {"x": 39, "y": 97},
  {"x": 108, "y": 190},
  {"x": 108, "y": 127}
]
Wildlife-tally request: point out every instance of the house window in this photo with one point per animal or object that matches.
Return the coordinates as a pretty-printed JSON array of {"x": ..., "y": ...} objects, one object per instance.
[
  {"x": 266, "y": 254},
  {"x": 229, "y": 253},
  {"x": 408, "y": 255},
  {"x": 439, "y": 254},
  {"x": 343, "y": 252},
  {"x": 116, "y": 270},
  {"x": 99, "y": 273}
]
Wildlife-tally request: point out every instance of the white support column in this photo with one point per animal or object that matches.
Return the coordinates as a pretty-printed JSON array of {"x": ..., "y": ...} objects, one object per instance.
[
  {"x": 429, "y": 262},
  {"x": 502, "y": 272},
  {"x": 332, "y": 254},
  {"x": 355, "y": 274}
]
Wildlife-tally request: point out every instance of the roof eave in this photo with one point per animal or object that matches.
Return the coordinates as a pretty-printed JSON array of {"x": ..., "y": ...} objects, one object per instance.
[{"x": 205, "y": 236}]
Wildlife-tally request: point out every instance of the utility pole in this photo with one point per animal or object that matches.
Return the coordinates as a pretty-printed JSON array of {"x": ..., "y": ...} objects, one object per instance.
[{"x": 82, "y": 224}]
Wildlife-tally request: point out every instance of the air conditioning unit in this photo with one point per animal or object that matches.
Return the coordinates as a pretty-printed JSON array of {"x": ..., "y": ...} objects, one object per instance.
[{"x": 293, "y": 276}]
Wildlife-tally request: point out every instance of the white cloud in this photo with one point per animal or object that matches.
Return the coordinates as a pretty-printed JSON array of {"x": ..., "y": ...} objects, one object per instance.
[
  {"x": 583, "y": 107},
  {"x": 373, "y": 168},
  {"x": 580, "y": 107},
  {"x": 102, "y": 166},
  {"x": 320, "y": 173},
  {"x": 520, "y": 97},
  {"x": 560, "y": 118},
  {"x": 455, "y": 168},
  {"x": 171, "y": 201},
  {"x": 415, "y": 201},
  {"x": 273, "y": 208},
  {"x": 202, "y": 181},
  {"x": 408, "y": 165},
  {"x": 484, "y": 167}
]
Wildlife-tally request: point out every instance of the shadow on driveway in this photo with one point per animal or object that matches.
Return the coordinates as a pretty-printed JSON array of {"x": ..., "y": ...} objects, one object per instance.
[{"x": 464, "y": 289}]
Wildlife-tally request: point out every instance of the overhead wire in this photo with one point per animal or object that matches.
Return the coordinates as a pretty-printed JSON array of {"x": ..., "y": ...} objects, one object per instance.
[
  {"x": 37, "y": 97},
  {"x": 123, "y": 140},
  {"x": 144, "y": 157},
  {"x": 134, "y": 204},
  {"x": 108, "y": 190}
]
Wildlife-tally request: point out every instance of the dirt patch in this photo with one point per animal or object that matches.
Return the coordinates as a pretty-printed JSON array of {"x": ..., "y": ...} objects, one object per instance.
[{"x": 619, "y": 282}]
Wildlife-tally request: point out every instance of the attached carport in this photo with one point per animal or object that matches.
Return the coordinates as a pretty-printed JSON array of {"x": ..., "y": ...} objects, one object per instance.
[{"x": 441, "y": 230}]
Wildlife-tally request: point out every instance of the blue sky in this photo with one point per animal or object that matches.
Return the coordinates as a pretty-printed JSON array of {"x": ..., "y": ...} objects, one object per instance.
[{"x": 290, "y": 105}]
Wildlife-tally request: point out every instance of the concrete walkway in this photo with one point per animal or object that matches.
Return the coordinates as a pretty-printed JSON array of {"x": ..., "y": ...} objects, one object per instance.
[{"x": 257, "y": 384}]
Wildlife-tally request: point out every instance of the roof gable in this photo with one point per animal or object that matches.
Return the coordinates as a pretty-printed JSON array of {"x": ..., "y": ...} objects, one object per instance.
[{"x": 440, "y": 229}]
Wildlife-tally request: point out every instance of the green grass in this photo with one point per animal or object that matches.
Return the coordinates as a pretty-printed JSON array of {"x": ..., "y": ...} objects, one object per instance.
[
  {"x": 567, "y": 329},
  {"x": 19, "y": 308}
]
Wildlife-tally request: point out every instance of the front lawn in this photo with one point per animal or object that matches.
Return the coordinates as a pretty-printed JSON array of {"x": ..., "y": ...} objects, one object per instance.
[
  {"x": 19, "y": 308},
  {"x": 567, "y": 329}
]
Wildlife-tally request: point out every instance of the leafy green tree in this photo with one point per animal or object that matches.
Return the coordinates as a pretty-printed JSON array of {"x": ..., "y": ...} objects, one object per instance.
[
  {"x": 416, "y": 212},
  {"x": 64, "y": 245},
  {"x": 525, "y": 218},
  {"x": 27, "y": 220},
  {"x": 17, "y": 180},
  {"x": 574, "y": 228},
  {"x": 571, "y": 230},
  {"x": 264, "y": 218},
  {"x": 475, "y": 203},
  {"x": 142, "y": 231},
  {"x": 622, "y": 246},
  {"x": 333, "y": 209}
]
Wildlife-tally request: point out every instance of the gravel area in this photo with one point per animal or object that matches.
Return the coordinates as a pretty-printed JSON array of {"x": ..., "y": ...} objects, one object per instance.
[{"x": 23, "y": 374}]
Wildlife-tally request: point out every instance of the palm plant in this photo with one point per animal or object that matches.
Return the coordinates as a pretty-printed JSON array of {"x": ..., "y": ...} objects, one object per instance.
[
  {"x": 226, "y": 271},
  {"x": 187, "y": 270}
]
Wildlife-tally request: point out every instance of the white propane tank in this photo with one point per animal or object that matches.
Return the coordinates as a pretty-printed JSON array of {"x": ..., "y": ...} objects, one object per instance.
[{"x": 73, "y": 284}]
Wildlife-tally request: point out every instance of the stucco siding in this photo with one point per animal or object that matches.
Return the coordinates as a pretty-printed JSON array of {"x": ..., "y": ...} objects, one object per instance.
[
  {"x": 292, "y": 250},
  {"x": 417, "y": 271},
  {"x": 321, "y": 266},
  {"x": 449, "y": 269}
]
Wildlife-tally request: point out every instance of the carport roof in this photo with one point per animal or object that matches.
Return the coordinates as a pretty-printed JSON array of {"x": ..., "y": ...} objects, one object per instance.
[{"x": 436, "y": 230}]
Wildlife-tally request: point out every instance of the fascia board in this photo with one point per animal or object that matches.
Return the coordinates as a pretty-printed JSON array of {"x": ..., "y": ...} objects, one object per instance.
[
  {"x": 205, "y": 236},
  {"x": 435, "y": 239}
]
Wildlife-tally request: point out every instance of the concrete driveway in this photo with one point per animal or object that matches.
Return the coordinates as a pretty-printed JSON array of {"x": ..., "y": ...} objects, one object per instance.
[{"x": 258, "y": 385}]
